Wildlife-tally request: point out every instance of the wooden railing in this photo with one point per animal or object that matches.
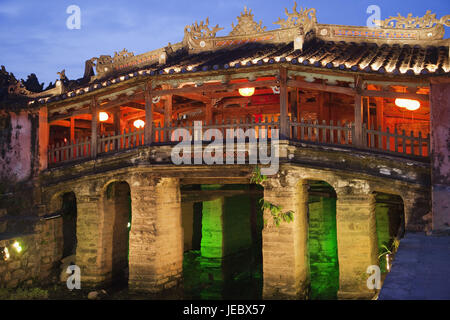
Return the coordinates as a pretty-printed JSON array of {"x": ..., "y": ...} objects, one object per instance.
[
  {"x": 80, "y": 149},
  {"x": 127, "y": 140},
  {"x": 313, "y": 131},
  {"x": 397, "y": 143},
  {"x": 341, "y": 134},
  {"x": 263, "y": 129}
]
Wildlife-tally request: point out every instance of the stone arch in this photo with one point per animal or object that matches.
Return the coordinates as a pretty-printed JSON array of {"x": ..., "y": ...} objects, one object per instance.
[
  {"x": 390, "y": 224},
  {"x": 115, "y": 225},
  {"x": 322, "y": 239},
  {"x": 64, "y": 203}
]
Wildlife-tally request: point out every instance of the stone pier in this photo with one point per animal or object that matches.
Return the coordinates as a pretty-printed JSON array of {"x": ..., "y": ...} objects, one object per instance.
[
  {"x": 357, "y": 242},
  {"x": 285, "y": 256},
  {"x": 89, "y": 238},
  {"x": 156, "y": 237}
]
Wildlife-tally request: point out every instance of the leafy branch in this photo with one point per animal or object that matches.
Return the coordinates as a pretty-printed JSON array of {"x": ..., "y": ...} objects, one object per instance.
[
  {"x": 276, "y": 211},
  {"x": 257, "y": 177},
  {"x": 385, "y": 249}
]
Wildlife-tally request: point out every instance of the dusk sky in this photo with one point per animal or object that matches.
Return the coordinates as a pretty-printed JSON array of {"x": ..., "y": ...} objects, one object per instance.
[{"x": 34, "y": 37}]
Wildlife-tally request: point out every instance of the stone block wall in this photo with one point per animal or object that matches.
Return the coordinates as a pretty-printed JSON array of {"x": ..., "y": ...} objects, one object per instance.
[
  {"x": 285, "y": 254},
  {"x": 156, "y": 237},
  {"x": 38, "y": 261}
]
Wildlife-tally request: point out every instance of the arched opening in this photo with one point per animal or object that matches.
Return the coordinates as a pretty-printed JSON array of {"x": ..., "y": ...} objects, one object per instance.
[
  {"x": 390, "y": 226},
  {"x": 117, "y": 226},
  {"x": 69, "y": 224},
  {"x": 322, "y": 241},
  {"x": 222, "y": 241}
]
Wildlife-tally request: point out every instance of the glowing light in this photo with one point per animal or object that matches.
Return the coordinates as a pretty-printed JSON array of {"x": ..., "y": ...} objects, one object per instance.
[
  {"x": 139, "y": 123},
  {"x": 103, "y": 116},
  {"x": 409, "y": 104},
  {"x": 16, "y": 245},
  {"x": 6, "y": 254},
  {"x": 128, "y": 225},
  {"x": 246, "y": 92}
]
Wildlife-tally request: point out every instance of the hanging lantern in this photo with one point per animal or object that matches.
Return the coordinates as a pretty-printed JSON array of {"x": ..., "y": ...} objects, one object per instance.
[
  {"x": 409, "y": 104},
  {"x": 246, "y": 92},
  {"x": 139, "y": 123},
  {"x": 103, "y": 116}
]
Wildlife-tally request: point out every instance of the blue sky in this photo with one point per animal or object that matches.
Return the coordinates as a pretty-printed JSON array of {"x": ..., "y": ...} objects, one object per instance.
[{"x": 34, "y": 37}]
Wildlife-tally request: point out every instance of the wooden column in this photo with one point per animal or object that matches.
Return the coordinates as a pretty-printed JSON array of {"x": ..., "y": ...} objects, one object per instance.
[
  {"x": 358, "y": 138},
  {"x": 72, "y": 129},
  {"x": 116, "y": 116},
  {"x": 293, "y": 102},
  {"x": 148, "y": 117},
  {"x": 94, "y": 124},
  {"x": 167, "y": 116},
  {"x": 208, "y": 112},
  {"x": 380, "y": 113},
  {"x": 284, "y": 124}
]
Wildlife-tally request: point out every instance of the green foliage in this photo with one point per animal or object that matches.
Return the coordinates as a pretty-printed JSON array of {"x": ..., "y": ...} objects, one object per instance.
[
  {"x": 389, "y": 249},
  {"x": 277, "y": 213},
  {"x": 257, "y": 177},
  {"x": 23, "y": 294}
]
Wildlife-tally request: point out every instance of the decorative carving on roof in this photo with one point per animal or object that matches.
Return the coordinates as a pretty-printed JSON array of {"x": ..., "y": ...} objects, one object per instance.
[
  {"x": 197, "y": 35},
  {"x": 246, "y": 25},
  {"x": 305, "y": 17},
  {"x": 429, "y": 20},
  {"x": 62, "y": 74},
  {"x": 122, "y": 56}
]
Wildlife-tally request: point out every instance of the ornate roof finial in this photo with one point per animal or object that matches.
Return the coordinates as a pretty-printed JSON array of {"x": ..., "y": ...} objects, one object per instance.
[
  {"x": 305, "y": 17},
  {"x": 409, "y": 22},
  {"x": 246, "y": 25},
  {"x": 196, "y": 34}
]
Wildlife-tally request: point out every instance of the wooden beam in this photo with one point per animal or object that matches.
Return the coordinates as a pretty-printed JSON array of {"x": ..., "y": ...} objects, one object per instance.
[
  {"x": 68, "y": 115},
  {"x": 122, "y": 100},
  {"x": 392, "y": 94},
  {"x": 214, "y": 87},
  {"x": 196, "y": 96},
  {"x": 320, "y": 87}
]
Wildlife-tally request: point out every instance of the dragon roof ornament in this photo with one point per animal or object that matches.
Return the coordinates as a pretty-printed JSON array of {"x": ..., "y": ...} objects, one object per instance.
[
  {"x": 305, "y": 17},
  {"x": 246, "y": 25},
  {"x": 197, "y": 35},
  {"x": 429, "y": 20}
]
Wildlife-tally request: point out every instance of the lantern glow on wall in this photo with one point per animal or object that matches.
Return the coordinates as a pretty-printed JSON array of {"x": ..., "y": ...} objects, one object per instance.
[
  {"x": 246, "y": 92},
  {"x": 139, "y": 123},
  {"x": 408, "y": 104}
]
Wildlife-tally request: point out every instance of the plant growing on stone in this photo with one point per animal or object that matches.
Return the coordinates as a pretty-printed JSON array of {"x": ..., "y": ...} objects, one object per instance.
[{"x": 276, "y": 211}]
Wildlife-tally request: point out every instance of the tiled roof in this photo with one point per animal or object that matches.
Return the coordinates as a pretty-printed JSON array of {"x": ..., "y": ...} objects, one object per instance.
[{"x": 394, "y": 59}]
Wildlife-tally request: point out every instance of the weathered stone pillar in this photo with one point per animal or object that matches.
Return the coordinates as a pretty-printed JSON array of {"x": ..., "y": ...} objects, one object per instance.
[
  {"x": 285, "y": 256},
  {"x": 89, "y": 238},
  {"x": 357, "y": 242},
  {"x": 212, "y": 244},
  {"x": 156, "y": 237},
  {"x": 440, "y": 153}
]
